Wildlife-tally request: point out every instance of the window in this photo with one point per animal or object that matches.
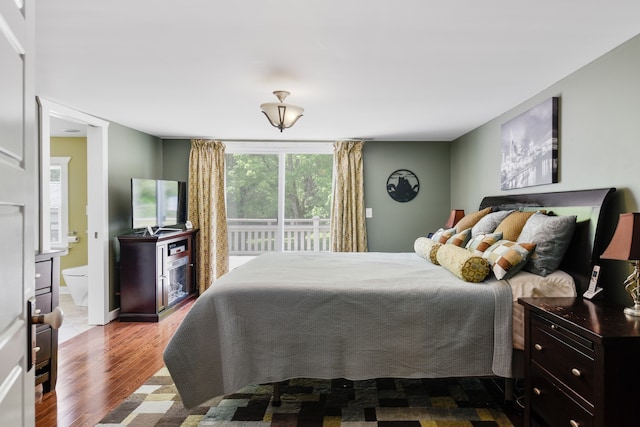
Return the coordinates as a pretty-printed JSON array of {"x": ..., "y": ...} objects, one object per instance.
[
  {"x": 59, "y": 201},
  {"x": 278, "y": 197}
]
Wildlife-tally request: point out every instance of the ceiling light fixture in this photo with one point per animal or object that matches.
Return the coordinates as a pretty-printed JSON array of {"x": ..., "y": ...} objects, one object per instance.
[{"x": 281, "y": 115}]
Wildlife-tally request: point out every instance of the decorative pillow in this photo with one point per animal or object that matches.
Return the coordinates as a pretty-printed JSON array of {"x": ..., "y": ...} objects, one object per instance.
[
  {"x": 471, "y": 219},
  {"x": 511, "y": 226},
  {"x": 461, "y": 238},
  {"x": 552, "y": 236},
  {"x": 507, "y": 258},
  {"x": 442, "y": 235},
  {"x": 427, "y": 248},
  {"x": 489, "y": 222},
  {"x": 482, "y": 242},
  {"x": 462, "y": 263}
]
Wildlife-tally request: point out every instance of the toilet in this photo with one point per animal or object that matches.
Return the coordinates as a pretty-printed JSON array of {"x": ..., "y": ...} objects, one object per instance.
[{"x": 77, "y": 280}]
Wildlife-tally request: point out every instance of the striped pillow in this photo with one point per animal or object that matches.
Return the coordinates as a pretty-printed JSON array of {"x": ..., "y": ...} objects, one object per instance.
[
  {"x": 507, "y": 258},
  {"x": 482, "y": 242},
  {"x": 442, "y": 235},
  {"x": 460, "y": 239}
]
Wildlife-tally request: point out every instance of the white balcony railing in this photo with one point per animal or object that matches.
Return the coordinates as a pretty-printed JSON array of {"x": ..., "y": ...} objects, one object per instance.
[{"x": 256, "y": 236}]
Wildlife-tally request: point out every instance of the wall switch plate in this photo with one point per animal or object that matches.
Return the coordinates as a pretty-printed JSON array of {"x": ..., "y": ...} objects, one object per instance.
[{"x": 368, "y": 212}]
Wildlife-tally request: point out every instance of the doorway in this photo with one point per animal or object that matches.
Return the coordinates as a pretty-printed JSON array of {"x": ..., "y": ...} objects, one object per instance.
[{"x": 97, "y": 201}]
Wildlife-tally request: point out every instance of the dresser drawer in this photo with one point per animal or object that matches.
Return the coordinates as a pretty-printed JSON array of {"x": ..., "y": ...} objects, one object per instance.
[
  {"x": 553, "y": 406},
  {"x": 564, "y": 355},
  {"x": 43, "y": 303},
  {"x": 43, "y": 340},
  {"x": 43, "y": 274}
]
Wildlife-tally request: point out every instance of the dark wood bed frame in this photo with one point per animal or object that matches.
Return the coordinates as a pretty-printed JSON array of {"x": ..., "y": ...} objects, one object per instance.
[
  {"x": 584, "y": 250},
  {"x": 588, "y": 242}
]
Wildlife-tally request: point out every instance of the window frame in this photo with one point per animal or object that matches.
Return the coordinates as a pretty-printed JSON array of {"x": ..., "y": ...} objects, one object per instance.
[
  {"x": 63, "y": 219},
  {"x": 281, "y": 148}
]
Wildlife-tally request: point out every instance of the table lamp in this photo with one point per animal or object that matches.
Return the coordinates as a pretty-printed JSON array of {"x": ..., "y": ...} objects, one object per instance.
[
  {"x": 456, "y": 215},
  {"x": 625, "y": 246}
]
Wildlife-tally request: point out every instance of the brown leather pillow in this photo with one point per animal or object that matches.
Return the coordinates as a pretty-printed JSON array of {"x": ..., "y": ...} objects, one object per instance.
[
  {"x": 470, "y": 220},
  {"x": 512, "y": 225}
]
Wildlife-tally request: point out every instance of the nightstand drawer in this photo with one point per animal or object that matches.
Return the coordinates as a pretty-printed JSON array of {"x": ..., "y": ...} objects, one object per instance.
[
  {"x": 43, "y": 303},
  {"x": 565, "y": 356},
  {"x": 553, "y": 406}
]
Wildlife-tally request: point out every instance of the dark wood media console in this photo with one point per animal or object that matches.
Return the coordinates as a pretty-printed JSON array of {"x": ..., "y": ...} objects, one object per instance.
[{"x": 157, "y": 274}]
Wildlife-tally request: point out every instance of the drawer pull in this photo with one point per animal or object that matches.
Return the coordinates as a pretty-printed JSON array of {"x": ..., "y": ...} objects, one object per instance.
[
  {"x": 38, "y": 311},
  {"x": 538, "y": 347},
  {"x": 554, "y": 326},
  {"x": 38, "y": 275},
  {"x": 576, "y": 372},
  {"x": 573, "y": 423},
  {"x": 537, "y": 391},
  {"x": 36, "y": 349}
]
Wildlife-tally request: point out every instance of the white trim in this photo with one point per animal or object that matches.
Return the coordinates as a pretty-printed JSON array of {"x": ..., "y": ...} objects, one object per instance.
[
  {"x": 277, "y": 147},
  {"x": 11, "y": 37},
  {"x": 282, "y": 172},
  {"x": 98, "y": 224},
  {"x": 281, "y": 149},
  {"x": 97, "y": 201},
  {"x": 63, "y": 162}
]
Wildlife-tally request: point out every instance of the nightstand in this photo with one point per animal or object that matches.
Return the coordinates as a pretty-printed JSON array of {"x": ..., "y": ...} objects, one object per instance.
[{"x": 582, "y": 364}]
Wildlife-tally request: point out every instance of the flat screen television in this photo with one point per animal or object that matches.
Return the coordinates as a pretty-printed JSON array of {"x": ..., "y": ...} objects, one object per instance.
[{"x": 158, "y": 203}]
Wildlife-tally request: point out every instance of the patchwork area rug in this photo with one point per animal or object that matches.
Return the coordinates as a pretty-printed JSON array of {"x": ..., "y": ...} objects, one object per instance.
[{"x": 308, "y": 402}]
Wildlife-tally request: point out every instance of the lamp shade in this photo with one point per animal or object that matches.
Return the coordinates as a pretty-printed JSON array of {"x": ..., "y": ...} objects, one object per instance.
[
  {"x": 456, "y": 215},
  {"x": 281, "y": 115},
  {"x": 625, "y": 243}
]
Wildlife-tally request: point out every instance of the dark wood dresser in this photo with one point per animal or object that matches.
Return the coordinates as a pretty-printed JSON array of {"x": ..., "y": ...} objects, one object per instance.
[
  {"x": 581, "y": 364},
  {"x": 47, "y": 298},
  {"x": 157, "y": 274}
]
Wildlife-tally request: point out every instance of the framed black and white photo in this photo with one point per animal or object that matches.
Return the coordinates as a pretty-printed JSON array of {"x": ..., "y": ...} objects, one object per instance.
[{"x": 530, "y": 147}]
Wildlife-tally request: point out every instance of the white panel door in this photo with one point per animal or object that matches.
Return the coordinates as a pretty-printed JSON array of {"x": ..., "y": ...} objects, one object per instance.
[{"x": 17, "y": 214}]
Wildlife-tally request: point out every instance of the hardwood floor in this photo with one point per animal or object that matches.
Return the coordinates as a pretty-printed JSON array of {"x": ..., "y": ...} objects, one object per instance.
[{"x": 101, "y": 367}]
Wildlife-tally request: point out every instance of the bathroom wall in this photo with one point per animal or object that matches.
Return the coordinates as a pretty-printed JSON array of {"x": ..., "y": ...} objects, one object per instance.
[{"x": 76, "y": 148}]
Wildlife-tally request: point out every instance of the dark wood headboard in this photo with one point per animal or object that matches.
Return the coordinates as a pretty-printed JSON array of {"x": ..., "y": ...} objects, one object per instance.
[{"x": 588, "y": 205}]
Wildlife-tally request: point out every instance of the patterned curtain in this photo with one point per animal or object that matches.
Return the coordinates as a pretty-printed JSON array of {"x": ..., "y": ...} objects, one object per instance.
[
  {"x": 348, "y": 228},
  {"x": 207, "y": 210}
]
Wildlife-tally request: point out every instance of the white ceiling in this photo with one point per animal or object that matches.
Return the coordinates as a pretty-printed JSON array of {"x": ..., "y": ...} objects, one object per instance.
[{"x": 425, "y": 70}]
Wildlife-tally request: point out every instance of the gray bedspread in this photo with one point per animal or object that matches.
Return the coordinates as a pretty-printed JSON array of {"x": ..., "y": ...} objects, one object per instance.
[{"x": 339, "y": 315}]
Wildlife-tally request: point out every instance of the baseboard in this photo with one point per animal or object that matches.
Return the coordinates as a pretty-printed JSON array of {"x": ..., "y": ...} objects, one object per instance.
[{"x": 113, "y": 315}]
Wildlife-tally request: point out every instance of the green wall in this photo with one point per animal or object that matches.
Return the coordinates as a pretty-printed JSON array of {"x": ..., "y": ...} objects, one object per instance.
[
  {"x": 132, "y": 154},
  {"x": 599, "y": 144},
  {"x": 395, "y": 226},
  {"x": 175, "y": 159}
]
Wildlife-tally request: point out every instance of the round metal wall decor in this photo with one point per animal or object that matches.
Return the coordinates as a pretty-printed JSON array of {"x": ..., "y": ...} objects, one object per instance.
[{"x": 403, "y": 185}]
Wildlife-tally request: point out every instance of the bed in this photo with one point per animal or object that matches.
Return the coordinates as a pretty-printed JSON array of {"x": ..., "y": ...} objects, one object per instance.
[{"x": 369, "y": 315}]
